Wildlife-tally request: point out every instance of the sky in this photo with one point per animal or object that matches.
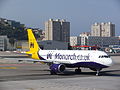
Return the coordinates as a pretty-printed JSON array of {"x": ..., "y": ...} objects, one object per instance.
[{"x": 80, "y": 13}]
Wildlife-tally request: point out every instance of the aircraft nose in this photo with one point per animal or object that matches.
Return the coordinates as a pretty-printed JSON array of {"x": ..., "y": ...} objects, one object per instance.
[{"x": 110, "y": 62}]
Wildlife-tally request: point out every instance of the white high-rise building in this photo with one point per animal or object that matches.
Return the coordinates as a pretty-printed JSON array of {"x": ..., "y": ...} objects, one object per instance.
[
  {"x": 75, "y": 40},
  {"x": 84, "y": 37},
  {"x": 58, "y": 30},
  {"x": 103, "y": 29}
]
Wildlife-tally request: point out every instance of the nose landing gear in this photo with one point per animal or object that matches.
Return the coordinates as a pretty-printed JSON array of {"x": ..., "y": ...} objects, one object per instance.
[{"x": 97, "y": 73}]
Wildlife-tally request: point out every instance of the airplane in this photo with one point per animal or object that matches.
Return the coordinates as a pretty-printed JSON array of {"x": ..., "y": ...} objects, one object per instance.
[{"x": 59, "y": 60}]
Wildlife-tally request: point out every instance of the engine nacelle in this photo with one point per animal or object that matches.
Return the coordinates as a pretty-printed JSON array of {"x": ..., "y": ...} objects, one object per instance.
[{"x": 57, "y": 67}]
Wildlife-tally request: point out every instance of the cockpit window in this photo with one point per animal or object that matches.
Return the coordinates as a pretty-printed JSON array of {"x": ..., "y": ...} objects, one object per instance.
[{"x": 104, "y": 56}]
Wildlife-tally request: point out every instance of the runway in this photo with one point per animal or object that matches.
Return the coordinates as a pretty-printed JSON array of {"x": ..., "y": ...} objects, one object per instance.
[{"x": 29, "y": 76}]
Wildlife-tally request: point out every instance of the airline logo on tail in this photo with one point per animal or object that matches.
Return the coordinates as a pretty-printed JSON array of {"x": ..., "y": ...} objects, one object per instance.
[{"x": 31, "y": 45}]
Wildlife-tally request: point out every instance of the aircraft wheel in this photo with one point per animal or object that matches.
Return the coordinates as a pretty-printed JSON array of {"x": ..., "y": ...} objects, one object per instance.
[
  {"x": 98, "y": 72},
  {"x": 77, "y": 71}
]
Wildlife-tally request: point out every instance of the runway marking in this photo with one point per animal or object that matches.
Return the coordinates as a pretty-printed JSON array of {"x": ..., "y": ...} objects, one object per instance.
[{"x": 8, "y": 67}]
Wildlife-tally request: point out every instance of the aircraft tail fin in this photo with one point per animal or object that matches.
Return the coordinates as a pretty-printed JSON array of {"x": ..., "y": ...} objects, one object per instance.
[{"x": 33, "y": 45}]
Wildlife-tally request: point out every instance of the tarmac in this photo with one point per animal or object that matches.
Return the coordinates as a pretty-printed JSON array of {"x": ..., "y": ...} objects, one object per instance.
[{"x": 30, "y": 76}]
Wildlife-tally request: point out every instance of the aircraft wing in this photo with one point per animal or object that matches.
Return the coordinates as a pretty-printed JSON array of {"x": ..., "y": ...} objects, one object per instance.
[
  {"x": 44, "y": 61},
  {"x": 27, "y": 59},
  {"x": 14, "y": 56},
  {"x": 21, "y": 58}
]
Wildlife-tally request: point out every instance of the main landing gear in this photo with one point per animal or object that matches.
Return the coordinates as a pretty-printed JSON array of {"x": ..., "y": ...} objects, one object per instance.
[{"x": 77, "y": 71}]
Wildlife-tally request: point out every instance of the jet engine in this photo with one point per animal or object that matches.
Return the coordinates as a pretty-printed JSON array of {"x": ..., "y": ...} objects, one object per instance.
[{"x": 57, "y": 68}]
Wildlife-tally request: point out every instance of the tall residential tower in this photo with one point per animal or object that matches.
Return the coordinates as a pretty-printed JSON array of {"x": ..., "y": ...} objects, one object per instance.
[
  {"x": 58, "y": 30},
  {"x": 103, "y": 29}
]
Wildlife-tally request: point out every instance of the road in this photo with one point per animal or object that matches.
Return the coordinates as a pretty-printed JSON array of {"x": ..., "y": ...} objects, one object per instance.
[{"x": 29, "y": 76}]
